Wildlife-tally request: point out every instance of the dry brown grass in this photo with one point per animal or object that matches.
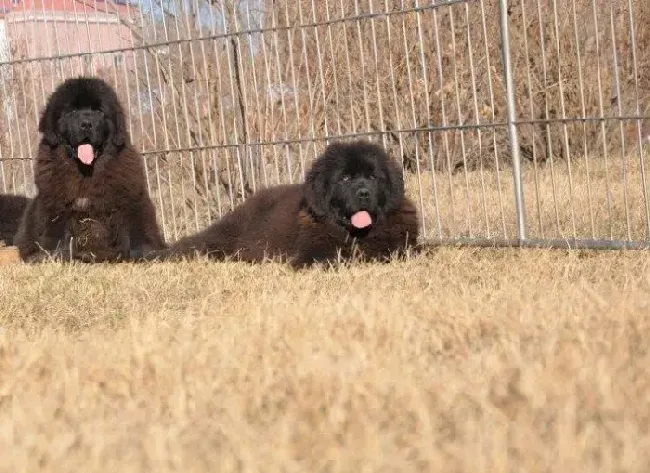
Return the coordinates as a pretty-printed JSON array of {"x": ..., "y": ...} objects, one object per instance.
[
  {"x": 590, "y": 204},
  {"x": 481, "y": 361}
]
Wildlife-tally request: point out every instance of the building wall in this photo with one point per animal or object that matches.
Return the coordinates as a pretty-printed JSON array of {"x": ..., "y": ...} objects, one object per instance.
[
  {"x": 47, "y": 37},
  {"x": 4, "y": 41},
  {"x": 51, "y": 28}
]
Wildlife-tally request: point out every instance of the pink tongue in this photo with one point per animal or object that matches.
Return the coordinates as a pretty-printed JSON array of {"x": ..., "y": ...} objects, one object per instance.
[
  {"x": 361, "y": 219},
  {"x": 86, "y": 154}
]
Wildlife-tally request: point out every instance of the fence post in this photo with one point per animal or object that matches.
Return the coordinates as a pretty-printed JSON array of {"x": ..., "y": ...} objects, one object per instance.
[{"x": 512, "y": 127}]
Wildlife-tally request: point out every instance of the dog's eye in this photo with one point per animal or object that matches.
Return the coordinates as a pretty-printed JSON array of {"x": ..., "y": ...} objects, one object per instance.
[{"x": 372, "y": 177}]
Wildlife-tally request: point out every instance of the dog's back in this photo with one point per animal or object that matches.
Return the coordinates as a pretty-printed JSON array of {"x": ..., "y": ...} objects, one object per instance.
[
  {"x": 264, "y": 225},
  {"x": 11, "y": 211}
]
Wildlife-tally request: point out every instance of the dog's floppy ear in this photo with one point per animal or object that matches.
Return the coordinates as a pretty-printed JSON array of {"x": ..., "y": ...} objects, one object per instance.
[
  {"x": 113, "y": 111},
  {"x": 395, "y": 181},
  {"x": 119, "y": 133},
  {"x": 316, "y": 188},
  {"x": 48, "y": 123}
]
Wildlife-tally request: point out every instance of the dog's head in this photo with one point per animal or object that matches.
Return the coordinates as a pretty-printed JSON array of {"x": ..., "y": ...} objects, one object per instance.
[
  {"x": 84, "y": 115},
  {"x": 354, "y": 185}
]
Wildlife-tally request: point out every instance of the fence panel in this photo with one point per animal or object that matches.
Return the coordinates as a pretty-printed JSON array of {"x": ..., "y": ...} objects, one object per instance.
[
  {"x": 225, "y": 97},
  {"x": 583, "y": 101}
]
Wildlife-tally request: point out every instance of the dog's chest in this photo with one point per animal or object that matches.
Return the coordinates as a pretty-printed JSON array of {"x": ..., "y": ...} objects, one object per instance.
[
  {"x": 89, "y": 207},
  {"x": 86, "y": 205},
  {"x": 83, "y": 193},
  {"x": 81, "y": 204}
]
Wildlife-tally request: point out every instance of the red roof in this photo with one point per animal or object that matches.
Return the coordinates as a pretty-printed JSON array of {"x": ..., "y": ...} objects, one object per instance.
[{"x": 80, "y": 6}]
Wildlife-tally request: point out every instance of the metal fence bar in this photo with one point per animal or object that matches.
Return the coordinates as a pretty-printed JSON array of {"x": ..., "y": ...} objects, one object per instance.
[
  {"x": 421, "y": 195},
  {"x": 283, "y": 102},
  {"x": 603, "y": 132},
  {"x": 477, "y": 119},
  {"x": 547, "y": 129},
  {"x": 492, "y": 115},
  {"x": 583, "y": 109},
  {"x": 637, "y": 110},
  {"x": 529, "y": 92},
  {"x": 540, "y": 243},
  {"x": 310, "y": 88},
  {"x": 565, "y": 133},
  {"x": 229, "y": 182},
  {"x": 256, "y": 87},
  {"x": 512, "y": 127},
  {"x": 459, "y": 111},
  {"x": 617, "y": 85}
]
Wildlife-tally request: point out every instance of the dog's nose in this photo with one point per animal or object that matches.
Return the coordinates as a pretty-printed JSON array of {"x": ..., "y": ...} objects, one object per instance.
[
  {"x": 363, "y": 193},
  {"x": 86, "y": 125}
]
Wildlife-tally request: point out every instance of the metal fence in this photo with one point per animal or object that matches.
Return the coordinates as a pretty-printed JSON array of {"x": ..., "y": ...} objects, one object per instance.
[{"x": 512, "y": 119}]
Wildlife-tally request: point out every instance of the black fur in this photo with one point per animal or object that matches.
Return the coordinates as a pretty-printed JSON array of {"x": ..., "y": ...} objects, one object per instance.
[
  {"x": 90, "y": 212},
  {"x": 11, "y": 210},
  {"x": 311, "y": 222}
]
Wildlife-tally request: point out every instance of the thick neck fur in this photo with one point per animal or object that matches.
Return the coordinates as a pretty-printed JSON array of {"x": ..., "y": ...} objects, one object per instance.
[{"x": 61, "y": 183}]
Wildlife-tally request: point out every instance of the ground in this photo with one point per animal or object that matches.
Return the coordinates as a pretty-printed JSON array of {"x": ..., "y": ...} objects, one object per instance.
[{"x": 459, "y": 360}]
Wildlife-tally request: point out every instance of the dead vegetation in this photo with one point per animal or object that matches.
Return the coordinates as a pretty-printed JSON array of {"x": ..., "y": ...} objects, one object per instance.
[{"x": 467, "y": 361}]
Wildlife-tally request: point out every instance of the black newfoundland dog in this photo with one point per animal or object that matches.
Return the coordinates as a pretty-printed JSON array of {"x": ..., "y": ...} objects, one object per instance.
[
  {"x": 11, "y": 210},
  {"x": 351, "y": 205},
  {"x": 92, "y": 203}
]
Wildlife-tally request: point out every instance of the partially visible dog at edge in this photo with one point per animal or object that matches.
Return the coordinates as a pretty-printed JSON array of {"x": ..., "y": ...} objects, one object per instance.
[
  {"x": 12, "y": 207},
  {"x": 351, "y": 205},
  {"x": 92, "y": 203}
]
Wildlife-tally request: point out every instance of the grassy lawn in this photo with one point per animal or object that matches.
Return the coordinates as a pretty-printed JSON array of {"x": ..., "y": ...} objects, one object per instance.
[{"x": 460, "y": 360}]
